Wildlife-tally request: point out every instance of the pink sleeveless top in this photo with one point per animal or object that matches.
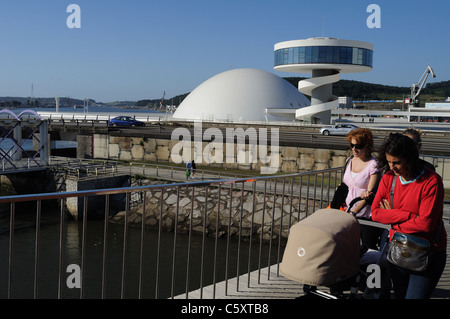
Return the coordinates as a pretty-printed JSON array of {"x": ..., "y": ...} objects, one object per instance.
[{"x": 358, "y": 182}]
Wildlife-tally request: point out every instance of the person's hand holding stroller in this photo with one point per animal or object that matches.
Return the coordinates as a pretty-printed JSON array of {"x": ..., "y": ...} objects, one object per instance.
[{"x": 367, "y": 195}]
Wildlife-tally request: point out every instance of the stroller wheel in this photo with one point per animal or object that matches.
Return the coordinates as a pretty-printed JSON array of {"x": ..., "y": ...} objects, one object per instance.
[{"x": 308, "y": 288}]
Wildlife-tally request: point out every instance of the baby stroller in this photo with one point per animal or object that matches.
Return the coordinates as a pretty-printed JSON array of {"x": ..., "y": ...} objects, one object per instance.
[{"x": 324, "y": 250}]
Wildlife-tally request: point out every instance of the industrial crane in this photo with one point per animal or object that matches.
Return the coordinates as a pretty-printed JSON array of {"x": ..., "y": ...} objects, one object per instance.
[
  {"x": 417, "y": 87},
  {"x": 162, "y": 100}
]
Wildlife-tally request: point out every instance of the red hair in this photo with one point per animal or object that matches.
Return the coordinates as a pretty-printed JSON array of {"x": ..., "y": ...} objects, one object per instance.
[{"x": 362, "y": 136}]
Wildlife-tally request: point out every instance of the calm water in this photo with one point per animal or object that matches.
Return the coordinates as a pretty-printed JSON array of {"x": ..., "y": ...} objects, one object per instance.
[{"x": 24, "y": 256}]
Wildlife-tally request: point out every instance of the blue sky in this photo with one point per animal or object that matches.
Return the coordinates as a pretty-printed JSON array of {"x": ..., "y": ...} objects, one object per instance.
[{"x": 136, "y": 49}]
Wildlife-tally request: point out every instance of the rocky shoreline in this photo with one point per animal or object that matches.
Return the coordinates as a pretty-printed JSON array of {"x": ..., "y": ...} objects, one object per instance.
[{"x": 178, "y": 209}]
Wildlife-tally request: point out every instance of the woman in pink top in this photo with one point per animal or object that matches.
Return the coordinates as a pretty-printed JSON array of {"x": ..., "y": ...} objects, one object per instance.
[{"x": 362, "y": 177}]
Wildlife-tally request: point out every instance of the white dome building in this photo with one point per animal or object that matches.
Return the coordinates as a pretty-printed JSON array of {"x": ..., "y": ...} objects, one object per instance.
[{"x": 242, "y": 95}]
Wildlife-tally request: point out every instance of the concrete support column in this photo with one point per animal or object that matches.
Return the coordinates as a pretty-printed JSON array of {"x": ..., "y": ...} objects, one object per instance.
[
  {"x": 44, "y": 144},
  {"x": 16, "y": 150}
]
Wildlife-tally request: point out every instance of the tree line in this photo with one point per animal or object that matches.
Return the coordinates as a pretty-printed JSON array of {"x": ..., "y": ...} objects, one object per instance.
[
  {"x": 18, "y": 104},
  {"x": 369, "y": 91},
  {"x": 362, "y": 90},
  {"x": 356, "y": 89}
]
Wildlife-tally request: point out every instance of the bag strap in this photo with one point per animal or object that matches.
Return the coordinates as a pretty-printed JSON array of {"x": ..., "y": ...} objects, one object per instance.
[
  {"x": 392, "y": 191},
  {"x": 347, "y": 161},
  {"x": 436, "y": 237}
]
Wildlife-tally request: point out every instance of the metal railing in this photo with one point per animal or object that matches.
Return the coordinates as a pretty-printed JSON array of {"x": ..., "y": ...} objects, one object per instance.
[{"x": 222, "y": 228}]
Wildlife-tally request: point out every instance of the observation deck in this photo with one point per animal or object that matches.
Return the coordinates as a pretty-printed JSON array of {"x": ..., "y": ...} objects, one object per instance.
[{"x": 325, "y": 59}]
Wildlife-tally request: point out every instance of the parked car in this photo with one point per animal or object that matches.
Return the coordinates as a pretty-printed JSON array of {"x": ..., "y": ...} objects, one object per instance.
[
  {"x": 338, "y": 129},
  {"x": 125, "y": 121}
]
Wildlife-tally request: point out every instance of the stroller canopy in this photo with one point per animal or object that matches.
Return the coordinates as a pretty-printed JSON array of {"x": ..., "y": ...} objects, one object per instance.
[{"x": 322, "y": 249}]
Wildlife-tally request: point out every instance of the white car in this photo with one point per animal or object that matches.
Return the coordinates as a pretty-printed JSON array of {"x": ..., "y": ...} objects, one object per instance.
[{"x": 338, "y": 129}]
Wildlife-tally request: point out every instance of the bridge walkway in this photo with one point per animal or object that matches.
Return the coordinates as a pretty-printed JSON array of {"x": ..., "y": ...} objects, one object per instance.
[{"x": 267, "y": 283}]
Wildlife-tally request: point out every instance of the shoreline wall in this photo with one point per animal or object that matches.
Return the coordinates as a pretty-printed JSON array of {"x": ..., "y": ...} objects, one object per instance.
[{"x": 287, "y": 160}]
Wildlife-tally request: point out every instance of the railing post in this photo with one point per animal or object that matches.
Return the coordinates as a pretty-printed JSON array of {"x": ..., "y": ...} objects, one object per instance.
[{"x": 11, "y": 248}]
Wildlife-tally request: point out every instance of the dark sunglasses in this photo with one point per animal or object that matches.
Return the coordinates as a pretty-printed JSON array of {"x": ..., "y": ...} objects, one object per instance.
[{"x": 357, "y": 146}]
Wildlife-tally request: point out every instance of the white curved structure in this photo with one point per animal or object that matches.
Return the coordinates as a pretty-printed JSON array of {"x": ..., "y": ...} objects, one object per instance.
[
  {"x": 307, "y": 87},
  {"x": 18, "y": 117},
  {"x": 325, "y": 58},
  {"x": 242, "y": 95}
]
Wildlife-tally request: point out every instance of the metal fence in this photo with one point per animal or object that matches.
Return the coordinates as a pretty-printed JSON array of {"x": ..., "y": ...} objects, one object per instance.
[
  {"x": 166, "y": 241},
  {"x": 181, "y": 236}
]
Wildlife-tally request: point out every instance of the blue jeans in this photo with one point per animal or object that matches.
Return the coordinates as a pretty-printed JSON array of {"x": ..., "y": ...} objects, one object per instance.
[{"x": 418, "y": 285}]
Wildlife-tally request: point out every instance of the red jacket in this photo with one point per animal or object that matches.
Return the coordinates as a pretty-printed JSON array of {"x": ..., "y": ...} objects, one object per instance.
[{"x": 418, "y": 207}]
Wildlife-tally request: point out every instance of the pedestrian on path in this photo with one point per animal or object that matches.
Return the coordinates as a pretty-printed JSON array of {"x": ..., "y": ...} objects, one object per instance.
[
  {"x": 193, "y": 168},
  {"x": 188, "y": 170}
]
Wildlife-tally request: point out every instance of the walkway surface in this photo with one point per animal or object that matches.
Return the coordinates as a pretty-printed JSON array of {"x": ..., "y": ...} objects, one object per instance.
[{"x": 267, "y": 284}]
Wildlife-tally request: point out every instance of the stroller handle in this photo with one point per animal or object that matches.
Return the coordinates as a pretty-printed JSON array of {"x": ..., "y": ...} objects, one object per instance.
[{"x": 355, "y": 200}]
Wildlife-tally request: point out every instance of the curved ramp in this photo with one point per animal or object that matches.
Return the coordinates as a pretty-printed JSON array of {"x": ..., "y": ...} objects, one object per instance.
[{"x": 307, "y": 86}]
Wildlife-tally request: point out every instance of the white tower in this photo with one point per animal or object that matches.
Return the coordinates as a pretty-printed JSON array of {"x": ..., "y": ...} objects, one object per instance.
[{"x": 325, "y": 59}]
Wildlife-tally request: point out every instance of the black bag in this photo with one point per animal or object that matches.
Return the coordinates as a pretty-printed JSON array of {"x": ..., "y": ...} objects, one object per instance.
[
  {"x": 341, "y": 192},
  {"x": 409, "y": 251},
  {"x": 339, "y": 196}
]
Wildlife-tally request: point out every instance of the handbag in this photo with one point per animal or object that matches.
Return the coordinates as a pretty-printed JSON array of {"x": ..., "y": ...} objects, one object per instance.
[
  {"x": 339, "y": 196},
  {"x": 408, "y": 251},
  {"x": 341, "y": 192}
]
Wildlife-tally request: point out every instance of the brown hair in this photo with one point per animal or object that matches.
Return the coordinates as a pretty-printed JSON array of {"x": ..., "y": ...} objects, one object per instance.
[
  {"x": 416, "y": 135},
  {"x": 362, "y": 136},
  {"x": 402, "y": 146}
]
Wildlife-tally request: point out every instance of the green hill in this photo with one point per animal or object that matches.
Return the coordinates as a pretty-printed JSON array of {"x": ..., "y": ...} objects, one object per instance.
[{"x": 368, "y": 91}]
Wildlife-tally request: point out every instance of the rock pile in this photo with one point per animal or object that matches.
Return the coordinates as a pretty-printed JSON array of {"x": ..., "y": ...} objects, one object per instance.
[{"x": 210, "y": 210}]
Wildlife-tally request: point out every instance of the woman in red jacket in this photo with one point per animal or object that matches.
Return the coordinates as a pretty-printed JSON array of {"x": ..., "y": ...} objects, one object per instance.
[{"x": 417, "y": 209}]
